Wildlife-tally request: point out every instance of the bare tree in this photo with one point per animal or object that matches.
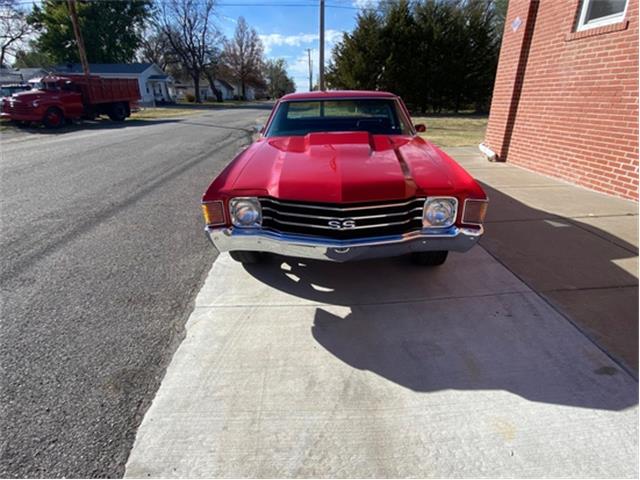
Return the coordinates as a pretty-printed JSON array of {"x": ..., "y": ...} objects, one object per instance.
[
  {"x": 155, "y": 48},
  {"x": 243, "y": 56},
  {"x": 189, "y": 28},
  {"x": 14, "y": 28}
]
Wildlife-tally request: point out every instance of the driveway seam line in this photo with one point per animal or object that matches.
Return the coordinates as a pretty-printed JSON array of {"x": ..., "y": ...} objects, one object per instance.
[
  {"x": 613, "y": 287},
  {"x": 373, "y": 304}
]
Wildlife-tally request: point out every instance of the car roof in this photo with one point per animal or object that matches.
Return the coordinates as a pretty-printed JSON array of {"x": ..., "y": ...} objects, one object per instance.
[{"x": 330, "y": 94}]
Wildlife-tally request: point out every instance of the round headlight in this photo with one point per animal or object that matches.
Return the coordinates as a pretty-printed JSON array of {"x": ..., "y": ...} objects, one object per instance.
[
  {"x": 245, "y": 212},
  {"x": 440, "y": 212}
]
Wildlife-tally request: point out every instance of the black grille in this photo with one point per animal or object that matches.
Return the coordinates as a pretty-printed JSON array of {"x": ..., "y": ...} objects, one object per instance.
[{"x": 340, "y": 221}]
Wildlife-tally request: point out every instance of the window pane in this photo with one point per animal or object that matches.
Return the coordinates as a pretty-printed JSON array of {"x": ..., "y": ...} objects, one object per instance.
[
  {"x": 304, "y": 109},
  {"x": 377, "y": 116},
  {"x": 603, "y": 8}
]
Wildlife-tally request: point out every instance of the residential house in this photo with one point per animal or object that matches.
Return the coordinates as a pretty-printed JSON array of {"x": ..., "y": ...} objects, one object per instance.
[
  {"x": 252, "y": 92},
  {"x": 9, "y": 76},
  {"x": 184, "y": 88},
  {"x": 156, "y": 87},
  {"x": 249, "y": 91},
  {"x": 565, "y": 100}
]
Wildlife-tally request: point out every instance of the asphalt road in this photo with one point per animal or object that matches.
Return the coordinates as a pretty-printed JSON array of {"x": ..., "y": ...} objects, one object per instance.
[{"x": 102, "y": 254}]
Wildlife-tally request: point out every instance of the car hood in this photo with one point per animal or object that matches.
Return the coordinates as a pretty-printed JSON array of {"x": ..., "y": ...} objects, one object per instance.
[
  {"x": 348, "y": 167},
  {"x": 29, "y": 96}
]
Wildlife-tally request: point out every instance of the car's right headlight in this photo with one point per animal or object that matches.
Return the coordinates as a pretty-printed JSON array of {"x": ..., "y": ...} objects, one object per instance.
[
  {"x": 439, "y": 212},
  {"x": 245, "y": 212}
]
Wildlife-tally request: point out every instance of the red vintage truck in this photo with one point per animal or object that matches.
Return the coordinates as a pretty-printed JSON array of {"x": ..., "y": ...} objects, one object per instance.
[{"x": 54, "y": 99}]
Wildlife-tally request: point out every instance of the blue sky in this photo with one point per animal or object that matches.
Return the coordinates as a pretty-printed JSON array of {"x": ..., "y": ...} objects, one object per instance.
[{"x": 289, "y": 27}]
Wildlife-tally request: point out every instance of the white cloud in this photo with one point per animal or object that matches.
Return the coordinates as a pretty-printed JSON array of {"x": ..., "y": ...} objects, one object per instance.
[
  {"x": 298, "y": 64},
  {"x": 362, "y": 4},
  {"x": 229, "y": 19},
  {"x": 277, "y": 40},
  {"x": 333, "y": 36},
  {"x": 299, "y": 70}
]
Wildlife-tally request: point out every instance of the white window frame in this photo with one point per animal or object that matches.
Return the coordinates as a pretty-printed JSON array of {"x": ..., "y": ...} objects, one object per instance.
[{"x": 602, "y": 21}]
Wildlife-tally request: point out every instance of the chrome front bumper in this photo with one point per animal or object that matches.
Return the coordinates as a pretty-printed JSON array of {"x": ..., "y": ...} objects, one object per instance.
[{"x": 257, "y": 240}]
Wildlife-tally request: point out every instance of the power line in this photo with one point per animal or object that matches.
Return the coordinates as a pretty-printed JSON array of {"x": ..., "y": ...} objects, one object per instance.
[{"x": 232, "y": 4}]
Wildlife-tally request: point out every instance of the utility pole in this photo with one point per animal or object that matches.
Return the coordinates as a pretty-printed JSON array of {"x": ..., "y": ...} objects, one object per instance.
[
  {"x": 310, "y": 70},
  {"x": 321, "y": 60},
  {"x": 76, "y": 30}
]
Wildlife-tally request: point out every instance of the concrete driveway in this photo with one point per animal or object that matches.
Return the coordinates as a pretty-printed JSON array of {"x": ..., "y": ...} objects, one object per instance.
[{"x": 384, "y": 369}]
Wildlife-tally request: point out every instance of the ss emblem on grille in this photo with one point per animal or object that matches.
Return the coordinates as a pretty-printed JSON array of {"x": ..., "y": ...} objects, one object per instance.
[{"x": 342, "y": 224}]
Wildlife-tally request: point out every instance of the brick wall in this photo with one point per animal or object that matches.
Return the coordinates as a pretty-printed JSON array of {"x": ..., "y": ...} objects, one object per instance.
[{"x": 565, "y": 103}]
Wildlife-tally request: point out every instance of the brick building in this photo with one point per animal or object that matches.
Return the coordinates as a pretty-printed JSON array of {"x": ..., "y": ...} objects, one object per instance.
[{"x": 565, "y": 101}]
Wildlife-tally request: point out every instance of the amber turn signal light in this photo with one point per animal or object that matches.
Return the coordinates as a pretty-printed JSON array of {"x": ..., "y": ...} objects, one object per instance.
[
  {"x": 213, "y": 212},
  {"x": 474, "y": 211}
]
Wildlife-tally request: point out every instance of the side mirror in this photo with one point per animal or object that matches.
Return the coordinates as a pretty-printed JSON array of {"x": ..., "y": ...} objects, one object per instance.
[{"x": 420, "y": 127}]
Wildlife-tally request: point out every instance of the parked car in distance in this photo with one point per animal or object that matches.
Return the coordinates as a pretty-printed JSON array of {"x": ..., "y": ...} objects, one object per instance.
[
  {"x": 54, "y": 99},
  {"x": 343, "y": 175}
]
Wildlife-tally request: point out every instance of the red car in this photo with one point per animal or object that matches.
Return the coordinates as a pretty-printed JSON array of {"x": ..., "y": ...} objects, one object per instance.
[{"x": 343, "y": 175}]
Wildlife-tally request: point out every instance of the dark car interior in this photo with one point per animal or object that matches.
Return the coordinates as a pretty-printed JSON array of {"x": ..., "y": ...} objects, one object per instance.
[{"x": 371, "y": 115}]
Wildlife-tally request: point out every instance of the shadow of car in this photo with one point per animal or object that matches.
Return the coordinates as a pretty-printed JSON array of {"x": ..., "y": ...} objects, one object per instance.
[{"x": 458, "y": 327}]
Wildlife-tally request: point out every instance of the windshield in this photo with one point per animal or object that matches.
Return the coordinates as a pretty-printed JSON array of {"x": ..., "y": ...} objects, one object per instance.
[
  {"x": 45, "y": 86},
  {"x": 10, "y": 90},
  {"x": 377, "y": 116}
]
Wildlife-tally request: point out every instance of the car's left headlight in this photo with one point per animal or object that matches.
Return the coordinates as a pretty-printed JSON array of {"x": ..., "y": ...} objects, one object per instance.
[
  {"x": 439, "y": 212},
  {"x": 245, "y": 212}
]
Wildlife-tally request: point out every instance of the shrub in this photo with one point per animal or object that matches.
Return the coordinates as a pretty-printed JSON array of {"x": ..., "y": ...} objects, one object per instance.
[{"x": 190, "y": 97}]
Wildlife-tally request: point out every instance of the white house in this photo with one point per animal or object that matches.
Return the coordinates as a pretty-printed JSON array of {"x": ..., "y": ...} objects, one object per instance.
[
  {"x": 9, "y": 76},
  {"x": 250, "y": 92},
  {"x": 182, "y": 89},
  {"x": 156, "y": 87}
]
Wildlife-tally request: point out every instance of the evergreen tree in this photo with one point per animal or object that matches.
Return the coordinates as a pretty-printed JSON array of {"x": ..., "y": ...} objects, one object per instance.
[
  {"x": 357, "y": 60},
  {"x": 399, "y": 39},
  {"x": 438, "y": 54},
  {"x": 484, "y": 45},
  {"x": 111, "y": 30}
]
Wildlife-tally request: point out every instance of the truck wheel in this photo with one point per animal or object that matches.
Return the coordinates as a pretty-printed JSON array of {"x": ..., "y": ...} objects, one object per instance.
[
  {"x": 429, "y": 259},
  {"x": 247, "y": 257},
  {"x": 53, "y": 118},
  {"x": 118, "y": 112}
]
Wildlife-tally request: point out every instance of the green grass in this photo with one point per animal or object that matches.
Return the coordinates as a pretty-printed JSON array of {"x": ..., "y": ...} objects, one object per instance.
[
  {"x": 206, "y": 104},
  {"x": 454, "y": 130},
  {"x": 183, "y": 109},
  {"x": 153, "y": 113}
]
